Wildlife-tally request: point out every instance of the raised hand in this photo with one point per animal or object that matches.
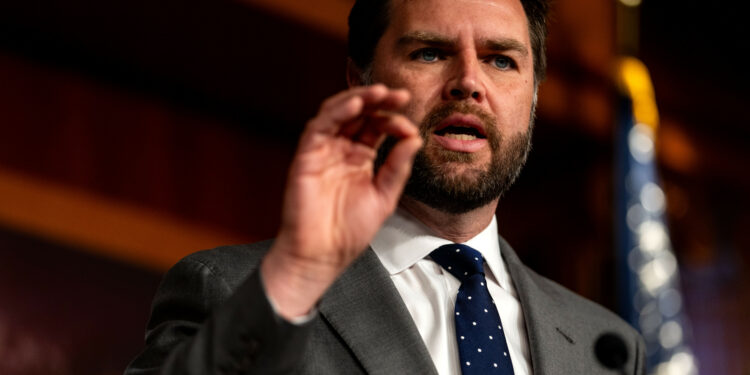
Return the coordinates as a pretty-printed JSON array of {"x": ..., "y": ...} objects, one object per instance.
[{"x": 334, "y": 203}]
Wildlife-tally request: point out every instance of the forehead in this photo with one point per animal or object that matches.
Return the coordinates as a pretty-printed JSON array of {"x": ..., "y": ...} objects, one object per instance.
[{"x": 477, "y": 18}]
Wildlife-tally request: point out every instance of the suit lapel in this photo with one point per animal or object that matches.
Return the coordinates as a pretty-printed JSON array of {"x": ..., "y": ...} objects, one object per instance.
[
  {"x": 366, "y": 310},
  {"x": 549, "y": 324}
]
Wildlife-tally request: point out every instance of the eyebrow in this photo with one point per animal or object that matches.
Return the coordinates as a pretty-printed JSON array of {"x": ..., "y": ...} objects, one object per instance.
[
  {"x": 424, "y": 37},
  {"x": 505, "y": 44},
  {"x": 435, "y": 39}
]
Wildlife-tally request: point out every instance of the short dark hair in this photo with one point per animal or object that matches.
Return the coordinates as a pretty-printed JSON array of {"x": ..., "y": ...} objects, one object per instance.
[{"x": 369, "y": 19}]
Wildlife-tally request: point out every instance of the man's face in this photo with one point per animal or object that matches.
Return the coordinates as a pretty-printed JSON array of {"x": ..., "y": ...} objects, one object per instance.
[{"x": 469, "y": 67}]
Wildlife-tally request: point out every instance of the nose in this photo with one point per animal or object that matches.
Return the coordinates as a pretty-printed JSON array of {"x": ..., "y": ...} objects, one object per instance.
[{"x": 464, "y": 82}]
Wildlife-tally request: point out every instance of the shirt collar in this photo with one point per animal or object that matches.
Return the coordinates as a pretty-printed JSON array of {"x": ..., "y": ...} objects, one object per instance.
[{"x": 404, "y": 240}]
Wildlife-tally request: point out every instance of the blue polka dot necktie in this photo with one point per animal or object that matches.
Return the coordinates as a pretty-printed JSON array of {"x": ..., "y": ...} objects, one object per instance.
[{"x": 481, "y": 341}]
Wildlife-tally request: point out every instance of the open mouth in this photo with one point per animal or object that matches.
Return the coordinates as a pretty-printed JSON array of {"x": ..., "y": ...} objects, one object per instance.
[{"x": 460, "y": 132}]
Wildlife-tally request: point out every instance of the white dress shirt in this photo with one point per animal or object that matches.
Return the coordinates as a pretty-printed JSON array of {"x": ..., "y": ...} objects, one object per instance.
[{"x": 403, "y": 245}]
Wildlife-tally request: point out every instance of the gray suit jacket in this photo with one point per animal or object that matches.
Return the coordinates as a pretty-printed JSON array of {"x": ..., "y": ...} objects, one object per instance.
[{"x": 210, "y": 316}]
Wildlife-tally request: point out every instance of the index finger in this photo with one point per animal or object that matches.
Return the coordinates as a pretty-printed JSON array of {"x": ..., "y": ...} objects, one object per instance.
[
  {"x": 348, "y": 105},
  {"x": 394, "y": 99}
]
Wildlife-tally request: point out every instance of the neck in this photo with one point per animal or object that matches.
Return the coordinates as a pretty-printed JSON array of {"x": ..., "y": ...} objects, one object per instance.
[{"x": 456, "y": 228}]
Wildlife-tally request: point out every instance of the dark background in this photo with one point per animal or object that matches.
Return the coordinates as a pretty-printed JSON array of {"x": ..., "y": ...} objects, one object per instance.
[{"x": 135, "y": 132}]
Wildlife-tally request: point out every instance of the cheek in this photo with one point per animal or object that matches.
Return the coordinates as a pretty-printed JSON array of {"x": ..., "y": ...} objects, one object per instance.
[
  {"x": 416, "y": 110},
  {"x": 512, "y": 106},
  {"x": 414, "y": 80},
  {"x": 425, "y": 94}
]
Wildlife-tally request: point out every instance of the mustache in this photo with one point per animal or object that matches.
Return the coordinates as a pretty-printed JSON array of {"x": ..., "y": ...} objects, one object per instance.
[
  {"x": 442, "y": 111},
  {"x": 435, "y": 117}
]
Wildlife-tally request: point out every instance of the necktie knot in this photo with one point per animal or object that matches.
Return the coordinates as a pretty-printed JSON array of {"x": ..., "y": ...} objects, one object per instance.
[{"x": 460, "y": 260}]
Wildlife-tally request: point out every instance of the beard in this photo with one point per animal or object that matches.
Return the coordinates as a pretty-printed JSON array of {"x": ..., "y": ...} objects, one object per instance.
[{"x": 434, "y": 183}]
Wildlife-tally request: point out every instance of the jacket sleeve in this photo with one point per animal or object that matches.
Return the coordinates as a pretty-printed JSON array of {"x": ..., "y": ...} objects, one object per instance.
[{"x": 199, "y": 325}]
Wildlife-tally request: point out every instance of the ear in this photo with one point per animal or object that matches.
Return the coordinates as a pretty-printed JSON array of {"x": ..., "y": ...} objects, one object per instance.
[{"x": 353, "y": 74}]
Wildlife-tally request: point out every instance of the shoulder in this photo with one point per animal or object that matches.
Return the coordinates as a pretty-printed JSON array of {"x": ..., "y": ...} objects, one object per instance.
[
  {"x": 232, "y": 263},
  {"x": 231, "y": 255},
  {"x": 586, "y": 322},
  {"x": 563, "y": 325},
  {"x": 548, "y": 297},
  {"x": 587, "y": 315}
]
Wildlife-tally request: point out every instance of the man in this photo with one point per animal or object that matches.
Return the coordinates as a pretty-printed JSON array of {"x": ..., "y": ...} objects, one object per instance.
[{"x": 349, "y": 286}]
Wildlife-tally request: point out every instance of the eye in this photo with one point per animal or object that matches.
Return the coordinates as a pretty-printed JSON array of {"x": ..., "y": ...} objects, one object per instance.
[
  {"x": 426, "y": 55},
  {"x": 502, "y": 62}
]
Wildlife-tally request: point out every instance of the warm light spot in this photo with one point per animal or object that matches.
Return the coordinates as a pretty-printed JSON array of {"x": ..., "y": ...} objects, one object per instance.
[
  {"x": 634, "y": 81},
  {"x": 631, "y": 3},
  {"x": 676, "y": 149},
  {"x": 102, "y": 225}
]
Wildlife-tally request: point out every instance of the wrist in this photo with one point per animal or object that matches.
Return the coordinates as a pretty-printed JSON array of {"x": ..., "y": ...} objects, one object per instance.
[{"x": 295, "y": 284}]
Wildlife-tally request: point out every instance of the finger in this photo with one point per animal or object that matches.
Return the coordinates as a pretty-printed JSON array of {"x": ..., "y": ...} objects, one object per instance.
[
  {"x": 367, "y": 92},
  {"x": 346, "y": 111},
  {"x": 342, "y": 113},
  {"x": 336, "y": 111},
  {"x": 393, "y": 174},
  {"x": 368, "y": 95},
  {"x": 344, "y": 108},
  {"x": 393, "y": 99},
  {"x": 381, "y": 124},
  {"x": 373, "y": 98},
  {"x": 371, "y": 139}
]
